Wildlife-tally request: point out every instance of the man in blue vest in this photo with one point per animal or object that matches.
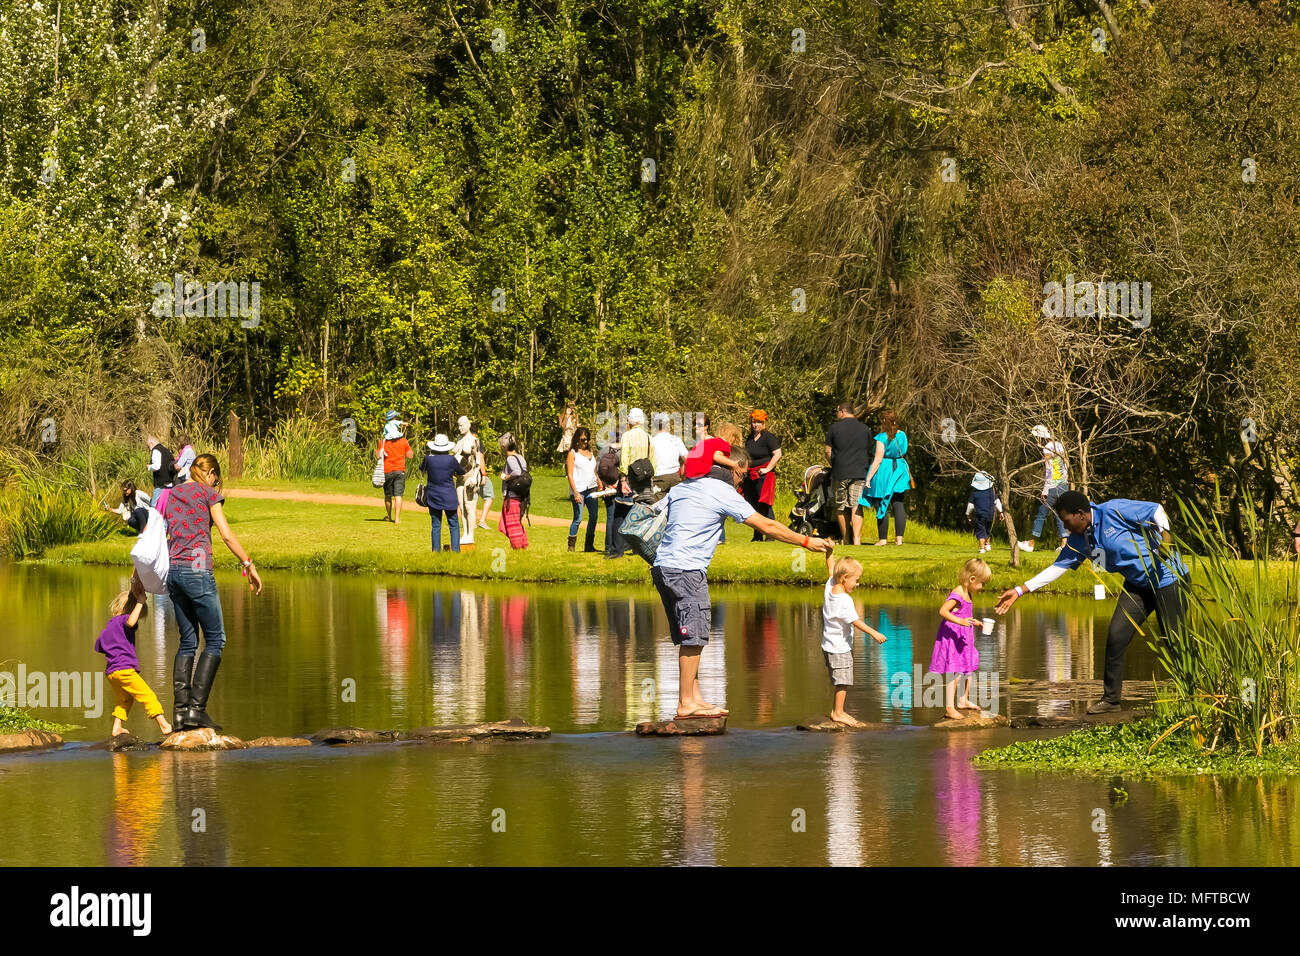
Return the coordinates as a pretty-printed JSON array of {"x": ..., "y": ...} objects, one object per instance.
[{"x": 1132, "y": 539}]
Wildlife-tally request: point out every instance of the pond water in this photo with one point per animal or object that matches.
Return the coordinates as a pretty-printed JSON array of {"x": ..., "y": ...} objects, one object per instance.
[{"x": 394, "y": 652}]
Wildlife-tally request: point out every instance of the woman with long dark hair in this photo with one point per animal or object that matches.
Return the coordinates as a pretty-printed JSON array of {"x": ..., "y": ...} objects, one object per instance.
[
  {"x": 580, "y": 469},
  {"x": 192, "y": 509},
  {"x": 888, "y": 479}
]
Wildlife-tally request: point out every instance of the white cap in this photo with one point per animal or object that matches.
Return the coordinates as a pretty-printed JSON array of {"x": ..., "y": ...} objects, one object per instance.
[
  {"x": 1040, "y": 431},
  {"x": 981, "y": 481},
  {"x": 636, "y": 417}
]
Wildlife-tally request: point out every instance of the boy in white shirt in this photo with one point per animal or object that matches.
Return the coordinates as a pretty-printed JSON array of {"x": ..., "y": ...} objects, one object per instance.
[{"x": 839, "y": 618}]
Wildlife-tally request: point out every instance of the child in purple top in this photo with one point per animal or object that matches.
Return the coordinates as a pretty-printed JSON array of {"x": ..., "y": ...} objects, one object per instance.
[{"x": 117, "y": 643}]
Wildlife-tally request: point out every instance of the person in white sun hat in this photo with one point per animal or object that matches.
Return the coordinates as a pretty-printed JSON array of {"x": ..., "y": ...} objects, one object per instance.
[
  {"x": 1055, "y": 482},
  {"x": 442, "y": 467}
]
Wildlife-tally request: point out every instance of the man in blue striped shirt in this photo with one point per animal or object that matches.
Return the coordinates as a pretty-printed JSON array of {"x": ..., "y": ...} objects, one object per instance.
[{"x": 1130, "y": 538}]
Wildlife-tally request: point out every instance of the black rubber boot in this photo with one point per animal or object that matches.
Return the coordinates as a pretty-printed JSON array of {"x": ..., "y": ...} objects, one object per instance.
[
  {"x": 205, "y": 672},
  {"x": 182, "y": 667}
]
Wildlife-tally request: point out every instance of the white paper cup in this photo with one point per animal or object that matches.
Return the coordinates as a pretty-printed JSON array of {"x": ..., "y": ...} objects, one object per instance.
[
  {"x": 988, "y": 625},
  {"x": 1099, "y": 592}
]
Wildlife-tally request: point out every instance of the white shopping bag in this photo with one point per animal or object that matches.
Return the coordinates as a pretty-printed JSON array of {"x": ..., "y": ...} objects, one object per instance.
[{"x": 150, "y": 555}]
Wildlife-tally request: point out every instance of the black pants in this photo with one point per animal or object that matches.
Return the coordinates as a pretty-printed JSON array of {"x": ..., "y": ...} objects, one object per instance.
[
  {"x": 766, "y": 512},
  {"x": 900, "y": 519},
  {"x": 1131, "y": 610}
]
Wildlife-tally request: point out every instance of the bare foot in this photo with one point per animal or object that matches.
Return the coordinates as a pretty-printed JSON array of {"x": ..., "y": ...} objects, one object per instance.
[
  {"x": 953, "y": 714},
  {"x": 702, "y": 712},
  {"x": 880, "y": 544},
  {"x": 847, "y": 719},
  {"x": 965, "y": 704}
]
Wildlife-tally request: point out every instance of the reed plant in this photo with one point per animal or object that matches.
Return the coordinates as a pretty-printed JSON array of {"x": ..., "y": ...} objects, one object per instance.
[
  {"x": 41, "y": 507},
  {"x": 1234, "y": 669},
  {"x": 301, "y": 449}
]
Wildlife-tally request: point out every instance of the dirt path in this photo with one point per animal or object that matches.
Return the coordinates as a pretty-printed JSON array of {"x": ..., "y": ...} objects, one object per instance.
[{"x": 320, "y": 498}]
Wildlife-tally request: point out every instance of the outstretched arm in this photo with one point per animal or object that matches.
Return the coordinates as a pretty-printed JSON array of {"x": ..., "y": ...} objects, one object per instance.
[{"x": 774, "y": 529}]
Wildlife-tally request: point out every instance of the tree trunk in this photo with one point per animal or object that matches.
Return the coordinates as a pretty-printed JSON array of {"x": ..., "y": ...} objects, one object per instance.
[{"x": 235, "y": 448}]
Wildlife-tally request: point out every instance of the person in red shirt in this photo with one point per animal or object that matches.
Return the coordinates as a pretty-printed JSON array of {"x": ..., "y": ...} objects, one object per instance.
[
  {"x": 396, "y": 450},
  {"x": 706, "y": 452}
]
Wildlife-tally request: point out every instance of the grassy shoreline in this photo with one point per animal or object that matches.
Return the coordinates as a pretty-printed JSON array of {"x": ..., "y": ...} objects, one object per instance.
[
  {"x": 352, "y": 538},
  {"x": 1122, "y": 749},
  {"x": 306, "y": 536}
]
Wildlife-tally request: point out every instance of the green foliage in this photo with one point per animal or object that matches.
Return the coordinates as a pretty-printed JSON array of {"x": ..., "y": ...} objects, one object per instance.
[
  {"x": 39, "y": 510},
  {"x": 13, "y": 720},
  {"x": 1236, "y": 667},
  {"x": 1128, "y": 749},
  {"x": 303, "y": 449}
]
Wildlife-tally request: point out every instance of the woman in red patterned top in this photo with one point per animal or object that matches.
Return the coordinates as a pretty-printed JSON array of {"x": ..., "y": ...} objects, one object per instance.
[{"x": 192, "y": 509}]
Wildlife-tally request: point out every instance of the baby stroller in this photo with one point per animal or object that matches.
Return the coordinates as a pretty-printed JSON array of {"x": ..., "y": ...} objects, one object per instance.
[{"x": 813, "y": 513}]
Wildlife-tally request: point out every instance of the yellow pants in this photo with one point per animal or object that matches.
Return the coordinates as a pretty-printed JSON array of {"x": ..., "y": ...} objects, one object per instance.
[{"x": 129, "y": 687}]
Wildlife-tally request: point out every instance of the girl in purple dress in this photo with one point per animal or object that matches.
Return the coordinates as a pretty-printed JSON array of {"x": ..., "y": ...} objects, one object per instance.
[{"x": 954, "y": 646}]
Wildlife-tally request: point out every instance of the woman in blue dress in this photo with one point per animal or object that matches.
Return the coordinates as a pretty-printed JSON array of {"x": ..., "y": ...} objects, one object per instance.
[{"x": 888, "y": 479}]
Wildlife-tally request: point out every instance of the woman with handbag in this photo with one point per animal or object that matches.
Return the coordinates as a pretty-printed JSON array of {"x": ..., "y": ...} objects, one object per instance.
[
  {"x": 440, "y": 496},
  {"x": 514, "y": 482},
  {"x": 394, "y": 450},
  {"x": 888, "y": 479}
]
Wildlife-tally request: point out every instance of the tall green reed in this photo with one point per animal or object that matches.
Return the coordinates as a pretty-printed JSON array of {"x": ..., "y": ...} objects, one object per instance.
[{"x": 1234, "y": 669}]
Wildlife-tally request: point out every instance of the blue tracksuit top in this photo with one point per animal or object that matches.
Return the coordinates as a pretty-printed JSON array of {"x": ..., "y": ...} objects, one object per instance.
[{"x": 1126, "y": 535}]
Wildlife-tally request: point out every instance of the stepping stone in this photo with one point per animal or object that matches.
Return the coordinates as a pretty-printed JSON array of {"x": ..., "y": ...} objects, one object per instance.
[
  {"x": 355, "y": 735},
  {"x": 512, "y": 729},
  {"x": 128, "y": 741},
  {"x": 29, "y": 740},
  {"x": 683, "y": 727},
  {"x": 982, "y": 722},
  {"x": 1075, "y": 720},
  {"x": 823, "y": 724},
  {"x": 280, "y": 742},
  {"x": 204, "y": 738}
]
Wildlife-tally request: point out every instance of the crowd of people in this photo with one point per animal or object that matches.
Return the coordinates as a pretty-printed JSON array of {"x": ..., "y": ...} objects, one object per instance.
[{"x": 696, "y": 489}]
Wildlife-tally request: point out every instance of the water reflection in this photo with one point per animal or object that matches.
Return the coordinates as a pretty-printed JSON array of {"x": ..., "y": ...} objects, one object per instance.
[{"x": 420, "y": 652}]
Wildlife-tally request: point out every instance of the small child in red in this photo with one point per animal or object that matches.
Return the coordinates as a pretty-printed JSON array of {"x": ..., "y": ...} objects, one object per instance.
[{"x": 710, "y": 452}]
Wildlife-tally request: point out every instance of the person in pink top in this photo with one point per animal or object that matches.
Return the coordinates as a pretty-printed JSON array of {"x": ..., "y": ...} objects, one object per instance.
[{"x": 954, "y": 646}]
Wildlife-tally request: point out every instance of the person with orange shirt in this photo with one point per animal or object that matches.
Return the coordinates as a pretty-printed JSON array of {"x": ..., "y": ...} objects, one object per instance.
[{"x": 395, "y": 450}]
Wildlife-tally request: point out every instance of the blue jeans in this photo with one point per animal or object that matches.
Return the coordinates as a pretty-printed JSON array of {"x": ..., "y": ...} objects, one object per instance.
[
  {"x": 194, "y": 596},
  {"x": 1045, "y": 509},
  {"x": 588, "y": 502},
  {"x": 453, "y": 524}
]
